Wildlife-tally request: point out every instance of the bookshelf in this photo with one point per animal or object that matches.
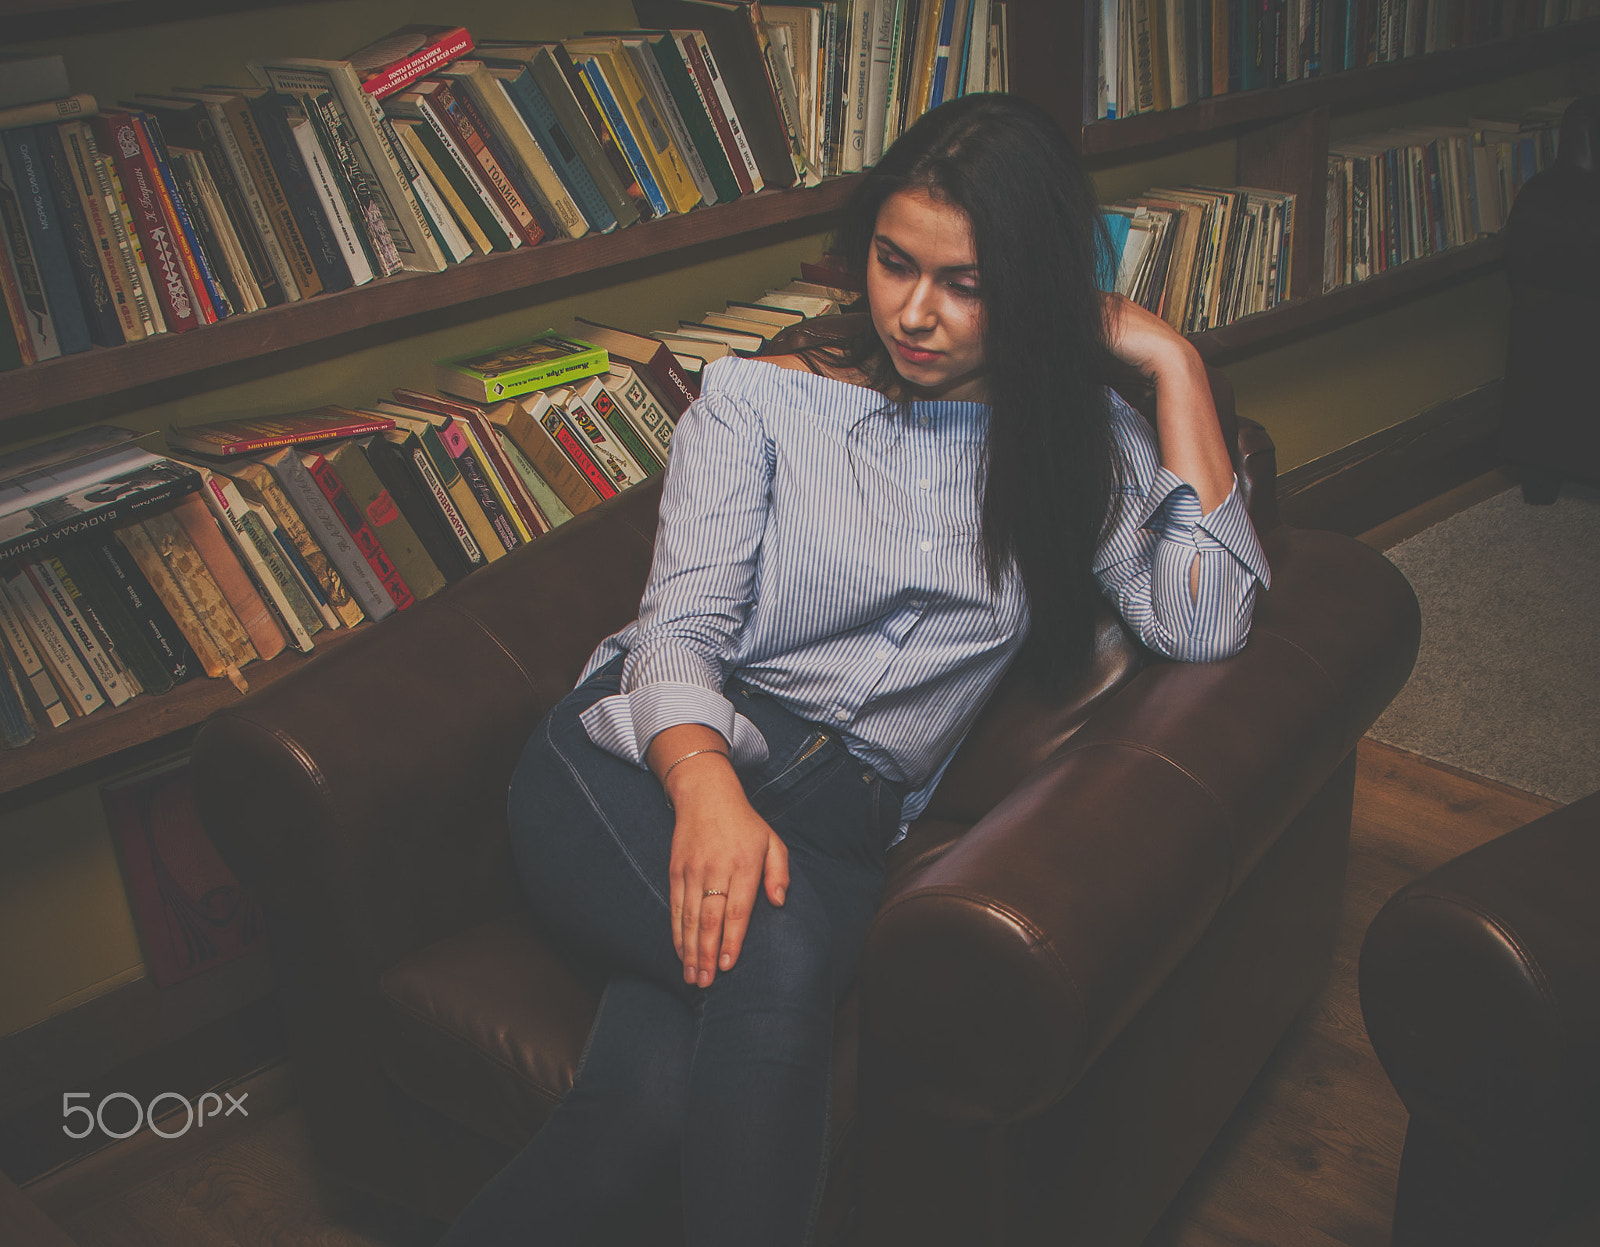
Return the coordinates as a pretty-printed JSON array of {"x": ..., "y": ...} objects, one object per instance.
[{"x": 1282, "y": 141}]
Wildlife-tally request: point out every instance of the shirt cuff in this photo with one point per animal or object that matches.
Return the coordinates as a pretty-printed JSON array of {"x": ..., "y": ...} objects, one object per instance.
[
  {"x": 626, "y": 723},
  {"x": 1172, "y": 507}
]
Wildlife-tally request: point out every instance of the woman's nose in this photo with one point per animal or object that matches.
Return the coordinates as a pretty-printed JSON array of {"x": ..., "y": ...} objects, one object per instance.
[{"x": 917, "y": 313}]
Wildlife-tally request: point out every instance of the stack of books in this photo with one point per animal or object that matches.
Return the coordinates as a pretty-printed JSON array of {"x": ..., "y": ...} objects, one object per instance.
[
  {"x": 1200, "y": 256},
  {"x": 124, "y": 571},
  {"x": 173, "y": 211},
  {"x": 1160, "y": 54},
  {"x": 1407, "y": 194}
]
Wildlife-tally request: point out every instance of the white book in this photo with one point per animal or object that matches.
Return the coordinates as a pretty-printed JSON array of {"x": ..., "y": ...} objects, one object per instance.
[
  {"x": 69, "y": 673},
  {"x": 27, "y": 661},
  {"x": 640, "y": 407},
  {"x": 878, "y": 82},
  {"x": 106, "y": 671},
  {"x": 858, "y": 63},
  {"x": 344, "y": 229}
]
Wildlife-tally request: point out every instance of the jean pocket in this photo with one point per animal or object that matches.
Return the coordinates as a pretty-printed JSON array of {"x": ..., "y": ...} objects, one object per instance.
[{"x": 797, "y": 773}]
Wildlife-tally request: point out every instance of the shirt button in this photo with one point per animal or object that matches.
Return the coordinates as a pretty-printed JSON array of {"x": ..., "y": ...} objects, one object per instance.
[
  {"x": 841, "y": 715},
  {"x": 923, "y": 483},
  {"x": 924, "y": 421},
  {"x": 925, "y": 546}
]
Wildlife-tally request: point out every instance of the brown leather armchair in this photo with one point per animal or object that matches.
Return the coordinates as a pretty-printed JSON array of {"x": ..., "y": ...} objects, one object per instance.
[
  {"x": 1088, "y": 946},
  {"x": 1480, "y": 983}
]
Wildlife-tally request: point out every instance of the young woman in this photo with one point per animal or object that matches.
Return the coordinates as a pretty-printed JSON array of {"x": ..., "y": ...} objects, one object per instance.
[{"x": 852, "y": 548}]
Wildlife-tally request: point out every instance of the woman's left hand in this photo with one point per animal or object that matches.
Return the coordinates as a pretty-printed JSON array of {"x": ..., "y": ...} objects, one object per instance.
[{"x": 1144, "y": 341}]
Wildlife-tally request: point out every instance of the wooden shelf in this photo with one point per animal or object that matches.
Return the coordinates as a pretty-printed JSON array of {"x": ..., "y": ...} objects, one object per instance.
[
  {"x": 1348, "y": 90},
  {"x": 147, "y": 717},
  {"x": 101, "y": 371},
  {"x": 1300, "y": 317}
]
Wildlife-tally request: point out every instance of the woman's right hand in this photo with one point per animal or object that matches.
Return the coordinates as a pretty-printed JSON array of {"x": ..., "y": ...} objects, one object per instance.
[{"x": 719, "y": 844}]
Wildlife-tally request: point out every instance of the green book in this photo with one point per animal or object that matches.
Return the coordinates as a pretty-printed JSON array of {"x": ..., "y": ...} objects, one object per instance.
[
  {"x": 695, "y": 118},
  {"x": 507, "y": 371}
]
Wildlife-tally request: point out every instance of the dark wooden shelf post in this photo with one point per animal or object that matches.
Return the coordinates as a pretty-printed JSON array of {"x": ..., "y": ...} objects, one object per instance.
[{"x": 1292, "y": 155}]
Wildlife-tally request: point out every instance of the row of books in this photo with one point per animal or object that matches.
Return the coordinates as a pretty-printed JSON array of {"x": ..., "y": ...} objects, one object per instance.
[
  {"x": 177, "y": 210},
  {"x": 1406, "y": 194},
  {"x": 1158, "y": 54},
  {"x": 1201, "y": 256},
  {"x": 125, "y": 570}
]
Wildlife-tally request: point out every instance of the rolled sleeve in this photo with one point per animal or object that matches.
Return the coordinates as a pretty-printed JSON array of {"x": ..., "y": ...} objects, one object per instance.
[
  {"x": 714, "y": 507},
  {"x": 1161, "y": 537}
]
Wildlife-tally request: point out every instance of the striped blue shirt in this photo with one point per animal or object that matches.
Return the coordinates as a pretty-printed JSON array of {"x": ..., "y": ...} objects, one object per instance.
[{"x": 829, "y": 554}]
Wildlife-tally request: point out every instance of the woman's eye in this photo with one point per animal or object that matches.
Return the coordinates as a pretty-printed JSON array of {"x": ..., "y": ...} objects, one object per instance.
[
  {"x": 964, "y": 290},
  {"x": 892, "y": 263}
]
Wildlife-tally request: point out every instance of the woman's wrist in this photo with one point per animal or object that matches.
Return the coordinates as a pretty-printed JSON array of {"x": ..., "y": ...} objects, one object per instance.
[{"x": 699, "y": 777}]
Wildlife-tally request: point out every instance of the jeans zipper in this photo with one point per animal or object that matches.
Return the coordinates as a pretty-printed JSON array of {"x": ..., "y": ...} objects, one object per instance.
[{"x": 815, "y": 745}]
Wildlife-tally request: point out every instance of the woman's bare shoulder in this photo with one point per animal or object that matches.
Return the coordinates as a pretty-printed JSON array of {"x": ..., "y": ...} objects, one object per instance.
[{"x": 818, "y": 363}]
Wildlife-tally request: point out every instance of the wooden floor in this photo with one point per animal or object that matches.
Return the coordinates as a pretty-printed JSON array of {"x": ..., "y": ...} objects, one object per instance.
[{"x": 1308, "y": 1159}]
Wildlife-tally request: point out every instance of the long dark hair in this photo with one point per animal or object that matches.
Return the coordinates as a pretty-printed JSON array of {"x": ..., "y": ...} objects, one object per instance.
[{"x": 1053, "y": 467}]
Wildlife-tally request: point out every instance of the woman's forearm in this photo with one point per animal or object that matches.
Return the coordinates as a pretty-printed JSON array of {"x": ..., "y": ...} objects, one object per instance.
[{"x": 1191, "y": 440}]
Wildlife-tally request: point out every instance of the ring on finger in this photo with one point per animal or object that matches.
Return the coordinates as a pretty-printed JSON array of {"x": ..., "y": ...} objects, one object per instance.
[{"x": 712, "y": 892}]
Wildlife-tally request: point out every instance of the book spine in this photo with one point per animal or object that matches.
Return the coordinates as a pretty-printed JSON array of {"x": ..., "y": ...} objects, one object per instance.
[
  {"x": 299, "y": 270},
  {"x": 248, "y": 218},
  {"x": 291, "y": 472},
  {"x": 353, "y": 248},
  {"x": 577, "y": 452},
  {"x": 486, "y": 452},
  {"x": 474, "y": 142},
  {"x": 180, "y": 578},
  {"x": 121, "y": 213},
  {"x": 456, "y": 225},
  {"x": 322, "y": 581},
  {"x": 119, "y": 276},
  {"x": 67, "y": 108},
  {"x": 272, "y": 125},
  {"x": 599, "y": 401},
  {"x": 116, "y": 138},
  {"x": 739, "y": 162},
  {"x": 564, "y": 86},
  {"x": 442, "y": 243},
  {"x": 476, "y": 192},
  {"x": 208, "y": 298},
  {"x": 52, "y": 264},
  {"x": 420, "y": 63},
  {"x": 565, "y": 128},
  {"x": 153, "y": 621},
  {"x": 214, "y": 245},
  {"x": 398, "y": 490},
  {"x": 526, "y": 430},
  {"x": 691, "y": 130},
  {"x": 217, "y": 552},
  {"x": 355, "y": 523},
  {"x": 260, "y": 560},
  {"x": 18, "y": 312},
  {"x": 517, "y": 148},
  {"x": 595, "y": 83},
  {"x": 642, "y": 409},
  {"x": 28, "y": 663},
  {"x": 78, "y": 690},
  {"x": 82, "y": 243},
  {"x": 62, "y": 602},
  {"x": 549, "y": 502},
  {"x": 425, "y": 472},
  {"x": 529, "y": 101},
  {"x": 472, "y": 472},
  {"x": 362, "y": 195}
]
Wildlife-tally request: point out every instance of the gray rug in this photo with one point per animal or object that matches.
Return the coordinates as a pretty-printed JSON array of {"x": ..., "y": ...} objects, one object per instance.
[{"x": 1507, "y": 684}]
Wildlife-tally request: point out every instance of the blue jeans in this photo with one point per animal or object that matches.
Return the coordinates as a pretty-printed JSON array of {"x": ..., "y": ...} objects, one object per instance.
[{"x": 723, "y": 1089}]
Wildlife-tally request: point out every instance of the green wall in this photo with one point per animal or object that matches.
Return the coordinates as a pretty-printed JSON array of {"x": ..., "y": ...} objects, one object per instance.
[{"x": 65, "y": 931}]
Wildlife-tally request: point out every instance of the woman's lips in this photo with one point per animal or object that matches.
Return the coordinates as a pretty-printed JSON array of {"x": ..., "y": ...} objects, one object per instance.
[{"x": 914, "y": 355}]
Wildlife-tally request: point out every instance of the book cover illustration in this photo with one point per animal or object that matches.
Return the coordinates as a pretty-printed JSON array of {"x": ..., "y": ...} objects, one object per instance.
[
  {"x": 131, "y": 481},
  {"x": 191, "y": 912},
  {"x": 511, "y": 370}
]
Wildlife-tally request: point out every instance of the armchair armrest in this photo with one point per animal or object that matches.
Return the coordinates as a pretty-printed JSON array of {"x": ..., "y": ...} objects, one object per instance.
[{"x": 998, "y": 973}]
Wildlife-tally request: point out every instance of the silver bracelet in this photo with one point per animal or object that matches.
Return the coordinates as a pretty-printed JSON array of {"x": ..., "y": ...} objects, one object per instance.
[{"x": 693, "y": 753}]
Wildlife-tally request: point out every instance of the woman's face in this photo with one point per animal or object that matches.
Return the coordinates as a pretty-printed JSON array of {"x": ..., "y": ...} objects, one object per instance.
[{"x": 922, "y": 286}]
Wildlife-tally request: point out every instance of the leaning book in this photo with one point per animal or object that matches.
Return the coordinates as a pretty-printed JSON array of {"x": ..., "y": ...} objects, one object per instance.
[
  {"x": 224, "y": 439},
  {"x": 508, "y": 371},
  {"x": 88, "y": 494}
]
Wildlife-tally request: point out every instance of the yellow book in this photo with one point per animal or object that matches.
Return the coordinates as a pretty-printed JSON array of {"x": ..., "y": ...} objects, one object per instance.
[{"x": 667, "y": 164}]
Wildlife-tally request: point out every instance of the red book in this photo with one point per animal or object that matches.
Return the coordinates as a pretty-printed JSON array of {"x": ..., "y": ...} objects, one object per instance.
[
  {"x": 577, "y": 452},
  {"x": 404, "y": 55},
  {"x": 225, "y": 438},
  {"x": 116, "y": 135},
  {"x": 355, "y": 523},
  {"x": 169, "y": 212}
]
